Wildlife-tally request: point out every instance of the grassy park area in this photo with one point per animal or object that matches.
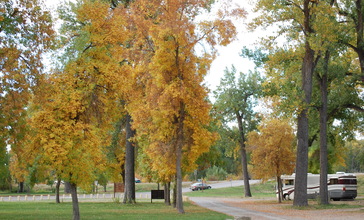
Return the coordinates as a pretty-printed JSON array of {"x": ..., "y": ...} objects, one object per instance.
[
  {"x": 261, "y": 190},
  {"x": 146, "y": 210},
  {"x": 103, "y": 210}
]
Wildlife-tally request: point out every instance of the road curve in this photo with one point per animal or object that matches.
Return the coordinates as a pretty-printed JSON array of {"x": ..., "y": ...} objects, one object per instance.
[{"x": 222, "y": 205}]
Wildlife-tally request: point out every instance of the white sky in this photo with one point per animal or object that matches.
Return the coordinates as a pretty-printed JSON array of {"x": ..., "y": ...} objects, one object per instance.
[{"x": 228, "y": 55}]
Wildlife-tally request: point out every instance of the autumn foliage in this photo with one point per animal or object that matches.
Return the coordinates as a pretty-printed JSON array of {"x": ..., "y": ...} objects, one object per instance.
[
  {"x": 141, "y": 58},
  {"x": 272, "y": 149}
]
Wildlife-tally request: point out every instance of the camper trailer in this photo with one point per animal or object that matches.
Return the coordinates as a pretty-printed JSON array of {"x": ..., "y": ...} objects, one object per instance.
[{"x": 340, "y": 186}]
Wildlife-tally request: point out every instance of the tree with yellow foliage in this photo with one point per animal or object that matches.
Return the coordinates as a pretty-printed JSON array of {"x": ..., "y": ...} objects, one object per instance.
[
  {"x": 272, "y": 150},
  {"x": 26, "y": 33},
  {"x": 80, "y": 103},
  {"x": 174, "y": 113}
]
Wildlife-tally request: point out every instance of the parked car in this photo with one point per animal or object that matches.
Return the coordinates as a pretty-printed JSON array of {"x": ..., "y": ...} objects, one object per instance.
[
  {"x": 137, "y": 180},
  {"x": 199, "y": 186}
]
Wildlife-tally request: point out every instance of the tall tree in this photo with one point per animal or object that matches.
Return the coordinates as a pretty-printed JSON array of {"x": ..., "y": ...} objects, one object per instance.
[
  {"x": 176, "y": 111},
  {"x": 115, "y": 36},
  {"x": 308, "y": 23},
  {"x": 308, "y": 65},
  {"x": 72, "y": 121},
  {"x": 235, "y": 99},
  {"x": 26, "y": 33}
]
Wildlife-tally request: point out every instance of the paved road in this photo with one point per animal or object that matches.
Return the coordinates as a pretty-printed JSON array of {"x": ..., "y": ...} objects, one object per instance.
[{"x": 222, "y": 205}]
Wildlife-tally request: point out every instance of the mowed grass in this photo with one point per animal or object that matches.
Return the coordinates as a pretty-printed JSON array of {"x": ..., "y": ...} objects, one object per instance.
[
  {"x": 260, "y": 190},
  {"x": 360, "y": 181},
  {"x": 107, "y": 210}
]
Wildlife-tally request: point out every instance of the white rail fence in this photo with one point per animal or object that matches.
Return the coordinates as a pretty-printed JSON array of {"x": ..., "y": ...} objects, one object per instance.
[{"x": 65, "y": 197}]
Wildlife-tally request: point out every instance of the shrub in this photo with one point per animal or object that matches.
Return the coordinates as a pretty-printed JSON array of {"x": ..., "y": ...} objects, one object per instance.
[{"x": 216, "y": 173}]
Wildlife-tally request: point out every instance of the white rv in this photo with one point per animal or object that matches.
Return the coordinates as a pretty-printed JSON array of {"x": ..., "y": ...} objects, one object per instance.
[{"x": 340, "y": 186}]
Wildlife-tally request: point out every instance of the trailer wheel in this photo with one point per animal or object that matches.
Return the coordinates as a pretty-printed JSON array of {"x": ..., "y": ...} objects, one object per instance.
[{"x": 286, "y": 197}]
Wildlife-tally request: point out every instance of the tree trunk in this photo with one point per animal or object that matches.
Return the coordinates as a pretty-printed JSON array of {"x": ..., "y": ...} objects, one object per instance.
[
  {"x": 129, "y": 194},
  {"x": 244, "y": 160},
  {"x": 67, "y": 187},
  {"x": 175, "y": 194},
  {"x": 179, "y": 146},
  {"x": 300, "y": 191},
  {"x": 179, "y": 201},
  {"x": 323, "y": 134},
  {"x": 21, "y": 187},
  {"x": 57, "y": 191},
  {"x": 300, "y": 198},
  {"x": 167, "y": 193},
  {"x": 359, "y": 35},
  {"x": 76, "y": 209},
  {"x": 279, "y": 188},
  {"x": 308, "y": 65}
]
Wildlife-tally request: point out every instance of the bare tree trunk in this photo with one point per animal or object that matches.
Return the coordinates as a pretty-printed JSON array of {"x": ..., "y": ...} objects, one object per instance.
[
  {"x": 179, "y": 201},
  {"x": 179, "y": 146},
  {"x": 167, "y": 193},
  {"x": 279, "y": 188},
  {"x": 308, "y": 65},
  {"x": 76, "y": 209},
  {"x": 360, "y": 35},
  {"x": 129, "y": 194},
  {"x": 175, "y": 194},
  {"x": 21, "y": 187},
  {"x": 67, "y": 187},
  {"x": 323, "y": 134},
  {"x": 57, "y": 191},
  {"x": 244, "y": 160},
  {"x": 300, "y": 195}
]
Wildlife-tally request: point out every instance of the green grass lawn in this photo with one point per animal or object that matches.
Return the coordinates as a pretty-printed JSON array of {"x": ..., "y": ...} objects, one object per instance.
[
  {"x": 262, "y": 190},
  {"x": 360, "y": 180},
  {"x": 107, "y": 210}
]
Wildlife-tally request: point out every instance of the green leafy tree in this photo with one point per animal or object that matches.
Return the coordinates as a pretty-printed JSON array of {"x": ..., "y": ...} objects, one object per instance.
[
  {"x": 235, "y": 100},
  {"x": 354, "y": 157},
  {"x": 310, "y": 28}
]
